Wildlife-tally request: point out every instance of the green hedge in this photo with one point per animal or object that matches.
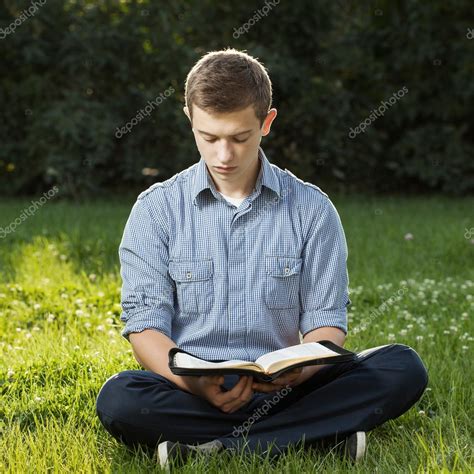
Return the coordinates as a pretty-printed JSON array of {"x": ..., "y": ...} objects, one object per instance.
[{"x": 74, "y": 73}]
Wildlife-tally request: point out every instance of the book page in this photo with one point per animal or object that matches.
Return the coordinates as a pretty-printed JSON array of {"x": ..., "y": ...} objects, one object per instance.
[
  {"x": 290, "y": 355},
  {"x": 187, "y": 361}
]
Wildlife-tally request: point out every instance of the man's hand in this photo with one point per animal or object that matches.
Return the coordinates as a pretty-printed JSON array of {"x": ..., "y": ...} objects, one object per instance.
[
  {"x": 292, "y": 378},
  {"x": 288, "y": 378},
  {"x": 209, "y": 388}
]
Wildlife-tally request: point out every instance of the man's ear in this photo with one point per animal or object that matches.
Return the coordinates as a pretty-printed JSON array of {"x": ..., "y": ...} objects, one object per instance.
[
  {"x": 267, "y": 123},
  {"x": 186, "y": 112}
]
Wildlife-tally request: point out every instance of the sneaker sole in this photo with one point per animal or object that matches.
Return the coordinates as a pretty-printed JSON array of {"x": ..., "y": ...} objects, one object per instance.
[
  {"x": 163, "y": 456},
  {"x": 361, "y": 444}
]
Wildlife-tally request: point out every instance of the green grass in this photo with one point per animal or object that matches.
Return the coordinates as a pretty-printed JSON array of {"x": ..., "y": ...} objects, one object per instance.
[{"x": 60, "y": 335}]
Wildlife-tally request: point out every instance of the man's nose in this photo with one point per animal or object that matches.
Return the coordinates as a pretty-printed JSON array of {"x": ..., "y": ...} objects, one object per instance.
[{"x": 224, "y": 153}]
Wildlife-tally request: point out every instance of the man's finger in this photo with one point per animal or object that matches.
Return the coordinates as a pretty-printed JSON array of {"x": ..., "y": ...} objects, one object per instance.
[
  {"x": 266, "y": 387},
  {"x": 244, "y": 397},
  {"x": 285, "y": 380},
  {"x": 237, "y": 402},
  {"x": 234, "y": 392}
]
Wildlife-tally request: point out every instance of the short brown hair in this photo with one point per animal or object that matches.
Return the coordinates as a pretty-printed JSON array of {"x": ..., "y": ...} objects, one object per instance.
[{"x": 229, "y": 81}]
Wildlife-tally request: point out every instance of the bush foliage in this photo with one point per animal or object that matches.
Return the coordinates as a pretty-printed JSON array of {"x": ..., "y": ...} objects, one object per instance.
[{"x": 76, "y": 71}]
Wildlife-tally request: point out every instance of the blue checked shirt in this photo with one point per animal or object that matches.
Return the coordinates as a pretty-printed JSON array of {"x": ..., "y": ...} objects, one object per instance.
[{"x": 227, "y": 282}]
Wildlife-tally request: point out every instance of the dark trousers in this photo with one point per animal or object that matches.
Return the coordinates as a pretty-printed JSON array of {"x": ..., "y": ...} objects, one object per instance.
[{"x": 139, "y": 407}]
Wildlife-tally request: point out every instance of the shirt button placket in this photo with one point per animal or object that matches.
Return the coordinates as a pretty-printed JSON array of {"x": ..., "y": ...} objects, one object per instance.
[{"x": 237, "y": 282}]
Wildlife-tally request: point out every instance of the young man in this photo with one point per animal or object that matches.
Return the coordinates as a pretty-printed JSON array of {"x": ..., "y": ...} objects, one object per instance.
[{"x": 230, "y": 259}]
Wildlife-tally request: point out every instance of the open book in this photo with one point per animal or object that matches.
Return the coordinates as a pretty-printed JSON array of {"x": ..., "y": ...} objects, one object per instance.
[{"x": 267, "y": 367}]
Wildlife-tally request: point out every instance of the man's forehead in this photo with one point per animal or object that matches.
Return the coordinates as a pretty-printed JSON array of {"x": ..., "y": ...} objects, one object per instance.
[
  {"x": 232, "y": 133},
  {"x": 231, "y": 123}
]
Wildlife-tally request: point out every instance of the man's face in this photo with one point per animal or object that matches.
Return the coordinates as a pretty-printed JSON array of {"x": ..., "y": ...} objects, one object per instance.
[{"x": 229, "y": 140}]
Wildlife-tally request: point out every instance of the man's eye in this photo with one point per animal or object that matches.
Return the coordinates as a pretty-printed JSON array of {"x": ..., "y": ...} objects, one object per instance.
[{"x": 212, "y": 140}]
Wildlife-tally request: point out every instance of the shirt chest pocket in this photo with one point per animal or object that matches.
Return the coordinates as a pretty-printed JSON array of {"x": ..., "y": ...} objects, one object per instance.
[
  {"x": 194, "y": 285},
  {"x": 282, "y": 280}
]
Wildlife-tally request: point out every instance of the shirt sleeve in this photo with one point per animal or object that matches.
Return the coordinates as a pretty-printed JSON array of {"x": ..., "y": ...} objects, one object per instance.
[
  {"x": 324, "y": 290},
  {"x": 147, "y": 289}
]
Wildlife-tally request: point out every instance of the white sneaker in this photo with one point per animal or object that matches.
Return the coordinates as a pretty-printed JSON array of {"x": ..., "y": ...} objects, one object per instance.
[
  {"x": 356, "y": 446},
  {"x": 180, "y": 452}
]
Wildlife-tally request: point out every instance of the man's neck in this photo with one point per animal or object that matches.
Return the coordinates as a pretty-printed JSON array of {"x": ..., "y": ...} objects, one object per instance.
[{"x": 238, "y": 190}]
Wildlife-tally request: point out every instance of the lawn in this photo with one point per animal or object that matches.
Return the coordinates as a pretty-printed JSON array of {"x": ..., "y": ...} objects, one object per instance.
[{"x": 411, "y": 279}]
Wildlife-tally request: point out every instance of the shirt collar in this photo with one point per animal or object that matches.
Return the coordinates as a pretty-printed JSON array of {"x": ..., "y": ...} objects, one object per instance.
[{"x": 266, "y": 177}]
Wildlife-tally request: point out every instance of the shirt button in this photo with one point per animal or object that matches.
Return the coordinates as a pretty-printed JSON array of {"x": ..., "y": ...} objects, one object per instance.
[
  {"x": 287, "y": 270},
  {"x": 188, "y": 275}
]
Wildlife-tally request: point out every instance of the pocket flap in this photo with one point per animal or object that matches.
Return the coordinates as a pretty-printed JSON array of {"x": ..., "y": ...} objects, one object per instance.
[
  {"x": 191, "y": 270},
  {"x": 282, "y": 266}
]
